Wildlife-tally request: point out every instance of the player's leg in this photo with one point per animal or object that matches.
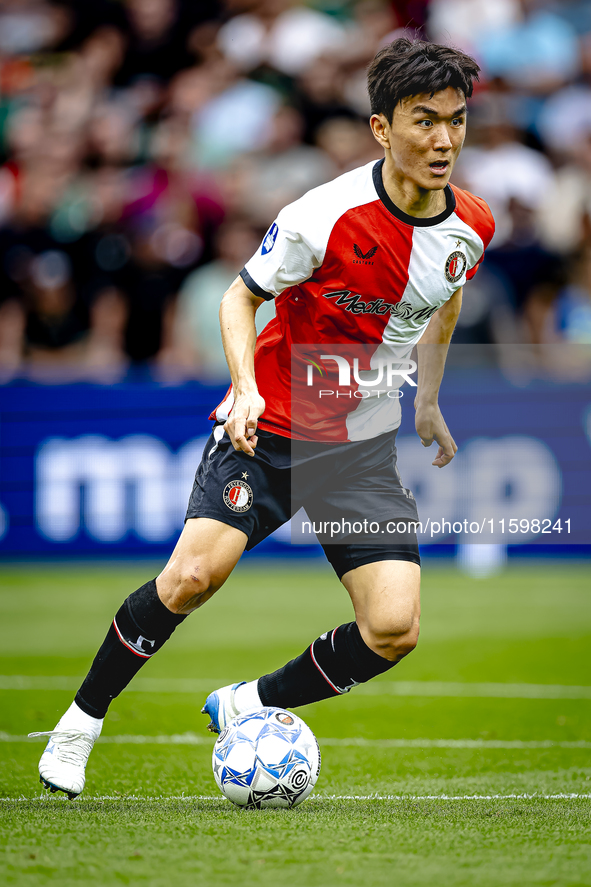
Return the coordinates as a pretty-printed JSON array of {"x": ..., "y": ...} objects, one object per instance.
[
  {"x": 386, "y": 599},
  {"x": 385, "y": 593},
  {"x": 205, "y": 555}
]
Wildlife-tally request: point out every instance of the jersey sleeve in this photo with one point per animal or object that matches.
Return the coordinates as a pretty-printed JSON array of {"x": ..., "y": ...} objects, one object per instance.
[
  {"x": 285, "y": 258},
  {"x": 484, "y": 226},
  {"x": 475, "y": 213}
]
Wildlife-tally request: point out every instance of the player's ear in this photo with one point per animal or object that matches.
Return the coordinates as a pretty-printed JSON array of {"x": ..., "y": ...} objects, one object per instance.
[{"x": 380, "y": 129}]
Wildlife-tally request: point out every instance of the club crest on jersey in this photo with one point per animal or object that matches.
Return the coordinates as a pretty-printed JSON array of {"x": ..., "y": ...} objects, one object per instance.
[
  {"x": 270, "y": 238},
  {"x": 238, "y": 495},
  {"x": 455, "y": 266}
]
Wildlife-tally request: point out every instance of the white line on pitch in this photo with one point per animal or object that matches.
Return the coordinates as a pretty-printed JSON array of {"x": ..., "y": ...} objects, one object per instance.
[
  {"x": 456, "y": 743},
  {"x": 346, "y": 742},
  {"x": 378, "y": 688},
  {"x": 529, "y": 796},
  {"x": 475, "y": 690},
  {"x": 533, "y": 796}
]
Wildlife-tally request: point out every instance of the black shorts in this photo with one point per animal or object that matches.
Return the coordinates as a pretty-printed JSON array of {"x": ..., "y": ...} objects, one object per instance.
[{"x": 352, "y": 494}]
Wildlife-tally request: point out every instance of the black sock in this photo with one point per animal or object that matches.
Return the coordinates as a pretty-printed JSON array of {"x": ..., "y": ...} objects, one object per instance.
[
  {"x": 334, "y": 663},
  {"x": 142, "y": 625}
]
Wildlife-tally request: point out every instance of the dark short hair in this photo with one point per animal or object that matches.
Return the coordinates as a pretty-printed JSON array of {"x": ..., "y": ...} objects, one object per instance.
[{"x": 410, "y": 67}]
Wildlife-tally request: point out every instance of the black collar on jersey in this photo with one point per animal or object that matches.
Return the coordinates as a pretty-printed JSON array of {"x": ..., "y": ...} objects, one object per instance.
[{"x": 450, "y": 200}]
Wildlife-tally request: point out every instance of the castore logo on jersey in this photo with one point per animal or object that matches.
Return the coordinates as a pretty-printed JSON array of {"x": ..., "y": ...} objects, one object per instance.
[{"x": 364, "y": 258}]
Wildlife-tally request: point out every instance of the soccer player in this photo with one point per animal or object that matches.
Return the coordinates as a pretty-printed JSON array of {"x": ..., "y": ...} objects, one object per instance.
[{"x": 376, "y": 258}]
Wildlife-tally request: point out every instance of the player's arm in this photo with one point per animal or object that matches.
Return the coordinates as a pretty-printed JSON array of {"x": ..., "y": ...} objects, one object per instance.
[
  {"x": 237, "y": 313},
  {"x": 432, "y": 352}
]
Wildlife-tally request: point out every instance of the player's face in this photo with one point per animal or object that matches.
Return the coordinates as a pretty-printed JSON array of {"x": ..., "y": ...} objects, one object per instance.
[{"x": 425, "y": 136}]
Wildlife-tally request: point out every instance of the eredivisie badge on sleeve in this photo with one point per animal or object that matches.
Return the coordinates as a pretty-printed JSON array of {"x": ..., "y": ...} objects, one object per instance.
[
  {"x": 269, "y": 239},
  {"x": 455, "y": 266},
  {"x": 238, "y": 495}
]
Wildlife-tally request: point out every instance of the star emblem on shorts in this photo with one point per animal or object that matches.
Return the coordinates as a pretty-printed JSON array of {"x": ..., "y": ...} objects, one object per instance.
[{"x": 245, "y": 475}]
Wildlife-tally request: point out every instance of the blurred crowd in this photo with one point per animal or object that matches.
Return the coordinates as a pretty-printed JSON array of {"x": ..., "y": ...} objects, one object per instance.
[{"x": 146, "y": 146}]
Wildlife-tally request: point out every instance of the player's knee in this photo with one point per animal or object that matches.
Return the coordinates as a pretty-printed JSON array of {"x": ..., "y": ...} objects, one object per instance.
[
  {"x": 188, "y": 586},
  {"x": 394, "y": 639}
]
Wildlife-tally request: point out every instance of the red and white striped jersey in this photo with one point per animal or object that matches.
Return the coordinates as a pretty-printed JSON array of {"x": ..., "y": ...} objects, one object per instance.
[{"x": 347, "y": 267}]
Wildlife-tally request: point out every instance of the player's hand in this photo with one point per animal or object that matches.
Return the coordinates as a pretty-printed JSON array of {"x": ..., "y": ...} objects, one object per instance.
[
  {"x": 242, "y": 424},
  {"x": 431, "y": 426}
]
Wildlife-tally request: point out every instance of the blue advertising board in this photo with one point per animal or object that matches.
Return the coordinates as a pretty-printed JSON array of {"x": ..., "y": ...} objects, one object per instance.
[{"x": 107, "y": 470}]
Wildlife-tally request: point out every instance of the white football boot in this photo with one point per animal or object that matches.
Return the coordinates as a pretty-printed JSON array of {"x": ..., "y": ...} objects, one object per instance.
[
  {"x": 221, "y": 707},
  {"x": 63, "y": 762},
  {"x": 229, "y": 702}
]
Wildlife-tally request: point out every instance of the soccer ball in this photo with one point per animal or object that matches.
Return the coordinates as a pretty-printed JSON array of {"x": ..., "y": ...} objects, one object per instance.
[{"x": 266, "y": 758}]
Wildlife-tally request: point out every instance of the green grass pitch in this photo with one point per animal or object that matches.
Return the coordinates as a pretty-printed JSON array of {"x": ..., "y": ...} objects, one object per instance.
[{"x": 468, "y": 764}]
